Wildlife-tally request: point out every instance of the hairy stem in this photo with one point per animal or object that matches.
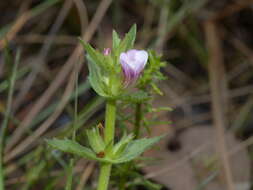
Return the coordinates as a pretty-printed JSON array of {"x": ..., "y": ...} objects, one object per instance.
[
  {"x": 110, "y": 116},
  {"x": 137, "y": 126},
  {"x": 138, "y": 118},
  {"x": 104, "y": 176}
]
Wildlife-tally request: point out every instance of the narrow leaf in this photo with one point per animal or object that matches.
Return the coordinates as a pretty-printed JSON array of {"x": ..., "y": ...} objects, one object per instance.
[
  {"x": 95, "y": 77},
  {"x": 96, "y": 56},
  {"x": 115, "y": 40},
  {"x": 136, "y": 148},
  {"x": 128, "y": 42},
  {"x": 136, "y": 97},
  {"x": 72, "y": 147}
]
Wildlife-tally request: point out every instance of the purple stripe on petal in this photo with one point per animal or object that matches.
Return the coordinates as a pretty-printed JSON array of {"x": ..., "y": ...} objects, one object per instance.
[{"x": 133, "y": 62}]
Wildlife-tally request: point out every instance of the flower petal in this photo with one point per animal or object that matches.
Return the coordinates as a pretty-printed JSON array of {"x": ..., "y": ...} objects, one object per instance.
[{"x": 133, "y": 62}]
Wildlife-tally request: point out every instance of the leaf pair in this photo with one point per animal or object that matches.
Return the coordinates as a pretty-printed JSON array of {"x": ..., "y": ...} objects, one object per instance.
[{"x": 123, "y": 152}]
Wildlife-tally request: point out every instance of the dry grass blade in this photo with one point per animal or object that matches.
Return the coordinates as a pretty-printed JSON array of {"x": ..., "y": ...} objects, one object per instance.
[
  {"x": 19, "y": 23},
  {"x": 60, "y": 78},
  {"x": 83, "y": 14},
  {"x": 218, "y": 95},
  {"x": 6, "y": 118},
  {"x": 46, "y": 124},
  {"x": 232, "y": 8},
  {"x": 39, "y": 39},
  {"x": 86, "y": 174},
  {"x": 28, "y": 82},
  {"x": 162, "y": 28},
  {"x": 15, "y": 28},
  {"x": 240, "y": 46}
]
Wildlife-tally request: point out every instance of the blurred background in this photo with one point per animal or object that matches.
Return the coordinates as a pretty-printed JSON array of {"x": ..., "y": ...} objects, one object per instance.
[{"x": 208, "y": 49}]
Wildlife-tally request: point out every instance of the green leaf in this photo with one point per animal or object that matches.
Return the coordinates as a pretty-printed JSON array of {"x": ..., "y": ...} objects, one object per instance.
[
  {"x": 95, "y": 77},
  {"x": 69, "y": 171},
  {"x": 72, "y": 147},
  {"x": 152, "y": 73},
  {"x": 122, "y": 144},
  {"x": 115, "y": 40},
  {"x": 131, "y": 151},
  {"x": 96, "y": 56},
  {"x": 128, "y": 42},
  {"x": 156, "y": 89},
  {"x": 136, "y": 97},
  {"x": 95, "y": 140},
  {"x": 35, "y": 171},
  {"x": 136, "y": 148},
  {"x": 164, "y": 108}
]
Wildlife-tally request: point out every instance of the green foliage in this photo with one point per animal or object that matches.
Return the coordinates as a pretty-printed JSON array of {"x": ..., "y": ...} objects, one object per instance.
[
  {"x": 152, "y": 73},
  {"x": 127, "y": 43},
  {"x": 70, "y": 174},
  {"x": 6, "y": 118},
  {"x": 106, "y": 78},
  {"x": 94, "y": 55},
  {"x": 35, "y": 171},
  {"x": 137, "y": 147},
  {"x": 95, "y": 78},
  {"x": 95, "y": 140},
  {"x": 73, "y": 147},
  {"x": 115, "y": 40},
  {"x": 105, "y": 73},
  {"x": 135, "y": 97},
  {"x": 121, "y": 145},
  {"x": 125, "y": 150}
]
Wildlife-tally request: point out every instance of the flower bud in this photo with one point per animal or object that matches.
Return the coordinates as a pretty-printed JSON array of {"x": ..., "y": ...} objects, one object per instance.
[
  {"x": 132, "y": 63},
  {"x": 107, "y": 51}
]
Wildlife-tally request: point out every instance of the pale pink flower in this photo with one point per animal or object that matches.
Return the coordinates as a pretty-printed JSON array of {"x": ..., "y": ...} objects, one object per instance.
[{"x": 133, "y": 62}]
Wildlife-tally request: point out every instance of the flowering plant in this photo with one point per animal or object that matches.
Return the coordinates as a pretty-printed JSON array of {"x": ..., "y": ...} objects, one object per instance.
[{"x": 112, "y": 74}]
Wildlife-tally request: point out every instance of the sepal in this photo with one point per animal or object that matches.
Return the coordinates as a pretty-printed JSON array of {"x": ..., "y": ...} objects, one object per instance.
[{"x": 95, "y": 140}]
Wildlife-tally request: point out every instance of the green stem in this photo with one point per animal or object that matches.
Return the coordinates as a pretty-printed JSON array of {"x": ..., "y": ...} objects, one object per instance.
[
  {"x": 6, "y": 118},
  {"x": 110, "y": 116},
  {"x": 104, "y": 176},
  {"x": 137, "y": 125},
  {"x": 138, "y": 118}
]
